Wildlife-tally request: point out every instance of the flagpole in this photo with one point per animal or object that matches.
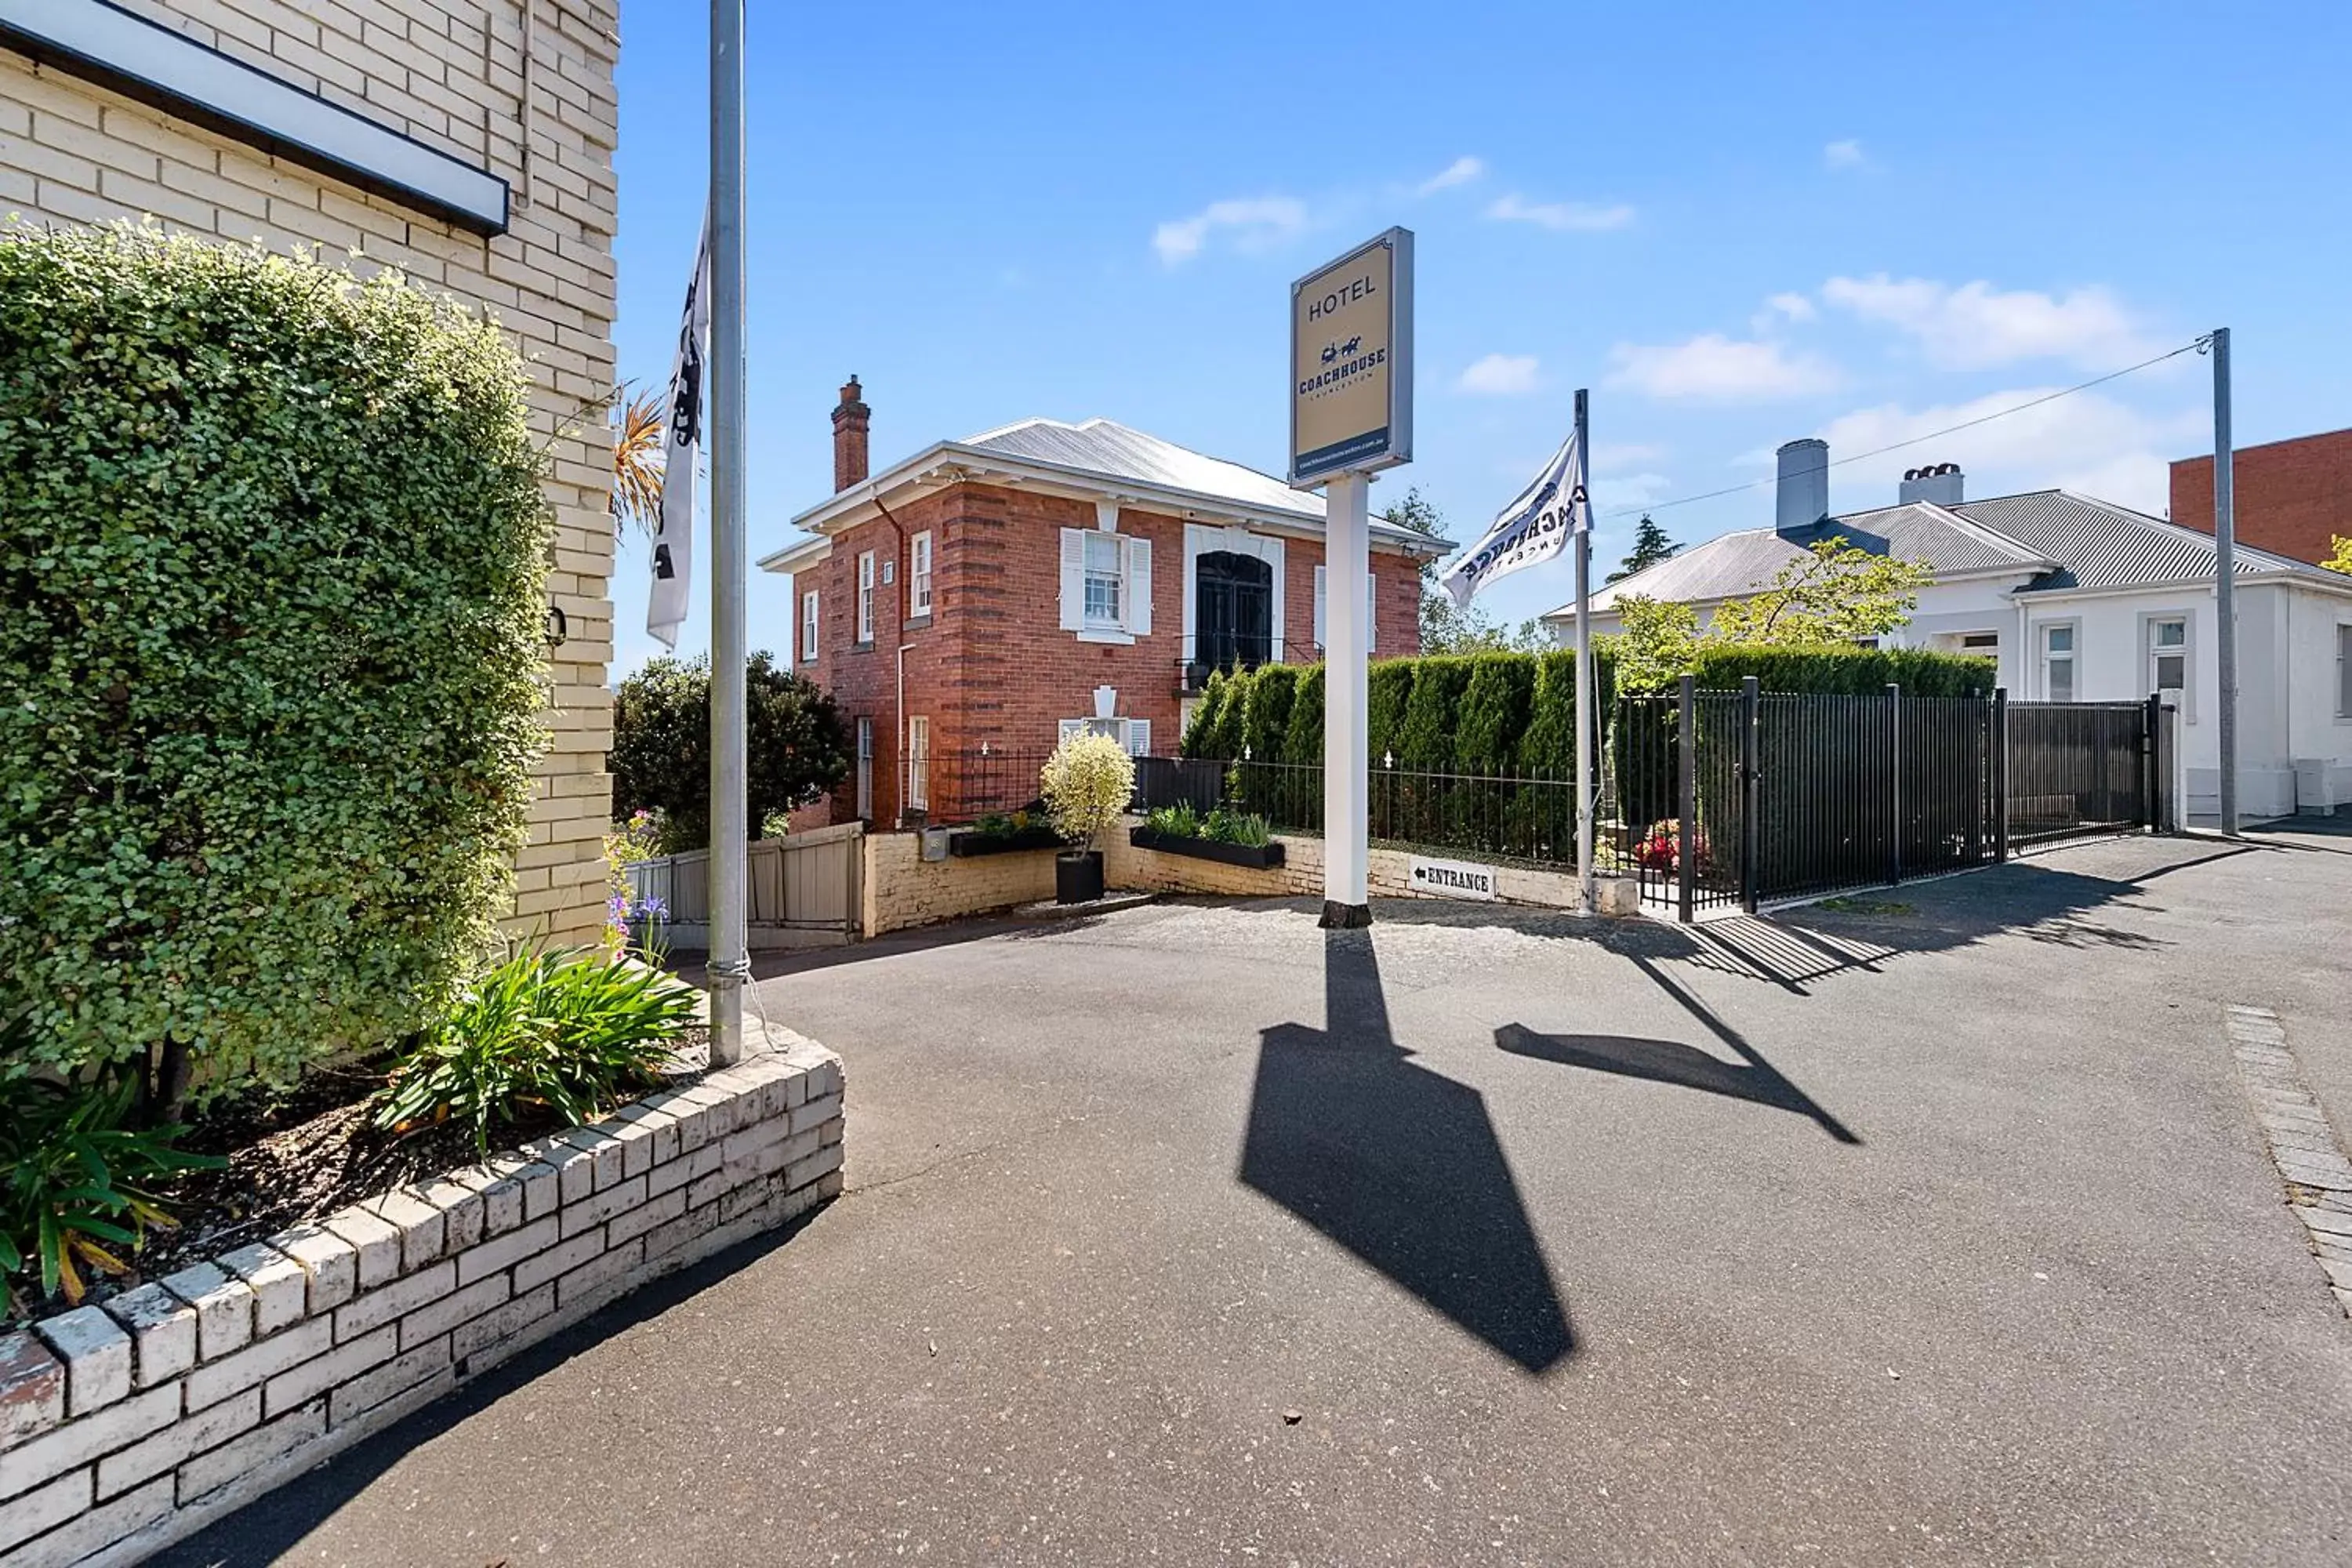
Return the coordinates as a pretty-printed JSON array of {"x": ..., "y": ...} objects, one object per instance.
[
  {"x": 730, "y": 964},
  {"x": 1584, "y": 683}
]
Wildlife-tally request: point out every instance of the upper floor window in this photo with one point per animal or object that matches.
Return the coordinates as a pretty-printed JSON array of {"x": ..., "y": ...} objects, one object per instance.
[
  {"x": 2058, "y": 663},
  {"x": 866, "y": 597},
  {"x": 808, "y": 624},
  {"x": 919, "y": 575},
  {"x": 1106, "y": 585}
]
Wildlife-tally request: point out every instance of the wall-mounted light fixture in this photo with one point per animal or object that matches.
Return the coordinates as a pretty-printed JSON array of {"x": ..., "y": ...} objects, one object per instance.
[{"x": 558, "y": 628}]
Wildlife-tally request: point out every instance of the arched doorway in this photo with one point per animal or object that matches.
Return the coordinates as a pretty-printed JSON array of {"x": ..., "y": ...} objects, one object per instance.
[{"x": 1232, "y": 611}]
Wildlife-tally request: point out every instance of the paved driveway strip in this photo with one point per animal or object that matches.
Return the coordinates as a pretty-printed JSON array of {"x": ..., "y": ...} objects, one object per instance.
[{"x": 1934, "y": 1227}]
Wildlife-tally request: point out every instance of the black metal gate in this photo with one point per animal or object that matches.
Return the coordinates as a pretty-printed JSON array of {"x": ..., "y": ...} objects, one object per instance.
[{"x": 1727, "y": 799}]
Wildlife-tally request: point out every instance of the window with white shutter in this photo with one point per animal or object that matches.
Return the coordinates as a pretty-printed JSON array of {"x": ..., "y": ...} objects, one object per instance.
[
  {"x": 1073, "y": 579},
  {"x": 866, "y": 597},
  {"x": 1138, "y": 737},
  {"x": 1135, "y": 592},
  {"x": 808, "y": 626},
  {"x": 919, "y": 575}
]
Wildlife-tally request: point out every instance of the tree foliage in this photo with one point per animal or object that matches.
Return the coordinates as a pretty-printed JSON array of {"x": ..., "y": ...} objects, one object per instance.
[
  {"x": 1834, "y": 597},
  {"x": 640, "y": 438},
  {"x": 796, "y": 745},
  {"x": 2342, "y": 559},
  {"x": 272, "y": 547},
  {"x": 1086, "y": 784},
  {"x": 1651, "y": 546}
]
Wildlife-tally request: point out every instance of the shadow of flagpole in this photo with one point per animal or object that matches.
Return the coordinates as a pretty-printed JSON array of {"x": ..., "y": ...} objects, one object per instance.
[{"x": 1399, "y": 1165}]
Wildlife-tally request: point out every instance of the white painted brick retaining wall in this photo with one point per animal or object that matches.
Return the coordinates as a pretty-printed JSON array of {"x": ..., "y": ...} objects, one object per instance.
[{"x": 126, "y": 1427}]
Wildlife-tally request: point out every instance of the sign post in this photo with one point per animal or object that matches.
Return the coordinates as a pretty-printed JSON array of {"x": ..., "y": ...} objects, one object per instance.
[{"x": 1350, "y": 414}]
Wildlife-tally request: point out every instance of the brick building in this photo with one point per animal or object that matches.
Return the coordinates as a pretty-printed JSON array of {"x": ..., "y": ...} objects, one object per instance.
[
  {"x": 466, "y": 142},
  {"x": 972, "y": 604},
  {"x": 2293, "y": 497}
]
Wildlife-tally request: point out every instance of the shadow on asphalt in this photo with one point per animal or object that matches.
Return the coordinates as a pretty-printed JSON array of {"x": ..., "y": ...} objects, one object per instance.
[
  {"x": 1752, "y": 1078},
  {"x": 1400, "y": 1166},
  {"x": 269, "y": 1528}
]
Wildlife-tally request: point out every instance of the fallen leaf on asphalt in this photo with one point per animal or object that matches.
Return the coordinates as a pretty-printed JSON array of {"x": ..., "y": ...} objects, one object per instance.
[{"x": 1292, "y": 1418}]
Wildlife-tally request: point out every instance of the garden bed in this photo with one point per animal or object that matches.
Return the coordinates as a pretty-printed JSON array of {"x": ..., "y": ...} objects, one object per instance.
[
  {"x": 128, "y": 1424},
  {"x": 971, "y": 841},
  {"x": 1257, "y": 855}
]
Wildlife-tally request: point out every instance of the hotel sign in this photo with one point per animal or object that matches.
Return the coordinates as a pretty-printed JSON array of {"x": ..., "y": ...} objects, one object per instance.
[{"x": 1352, "y": 362}]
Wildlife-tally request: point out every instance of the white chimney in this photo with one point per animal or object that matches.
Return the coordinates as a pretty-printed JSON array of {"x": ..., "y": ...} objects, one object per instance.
[
  {"x": 1937, "y": 483},
  {"x": 1804, "y": 485}
]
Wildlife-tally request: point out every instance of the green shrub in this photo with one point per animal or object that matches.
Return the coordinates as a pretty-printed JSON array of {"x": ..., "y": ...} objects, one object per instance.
[
  {"x": 1177, "y": 821},
  {"x": 796, "y": 745},
  {"x": 1303, "y": 745},
  {"x": 1425, "y": 739},
  {"x": 566, "y": 1034},
  {"x": 1265, "y": 711},
  {"x": 1388, "y": 688},
  {"x": 1227, "y": 825},
  {"x": 1495, "y": 704},
  {"x": 74, "y": 1182},
  {"x": 1853, "y": 672},
  {"x": 272, "y": 546},
  {"x": 1086, "y": 784}
]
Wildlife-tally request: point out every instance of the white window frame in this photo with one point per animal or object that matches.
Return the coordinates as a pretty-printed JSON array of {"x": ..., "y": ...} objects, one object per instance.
[
  {"x": 1134, "y": 734},
  {"x": 918, "y": 573},
  {"x": 2073, "y": 656},
  {"x": 918, "y": 761},
  {"x": 811, "y": 626},
  {"x": 2343, "y": 672},
  {"x": 1097, "y": 542},
  {"x": 865, "y": 766},
  {"x": 2187, "y": 651},
  {"x": 865, "y": 596}
]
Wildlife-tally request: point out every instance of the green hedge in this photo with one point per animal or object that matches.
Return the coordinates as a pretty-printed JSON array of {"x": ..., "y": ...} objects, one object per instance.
[
  {"x": 272, "y": 546},
  {"x": 1504, "y": 712}
]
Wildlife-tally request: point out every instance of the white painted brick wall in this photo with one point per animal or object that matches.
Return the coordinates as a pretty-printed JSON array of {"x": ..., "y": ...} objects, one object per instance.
[{"x": 125, "y": 1426}]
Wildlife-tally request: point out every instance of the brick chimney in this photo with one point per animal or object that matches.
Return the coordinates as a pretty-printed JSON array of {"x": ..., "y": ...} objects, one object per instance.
[{"x": 849, "y": 420}]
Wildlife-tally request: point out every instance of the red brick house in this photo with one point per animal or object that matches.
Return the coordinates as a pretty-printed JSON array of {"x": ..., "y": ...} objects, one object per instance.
[
  {"x": 2293, "y": 497},
  {"x": 971, "y": 605}
]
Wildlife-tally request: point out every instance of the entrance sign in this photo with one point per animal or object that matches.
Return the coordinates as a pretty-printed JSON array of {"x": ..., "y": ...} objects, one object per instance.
[
  {"x": 1352, "y": 362},
  {"x": 1451, "y": 878}
]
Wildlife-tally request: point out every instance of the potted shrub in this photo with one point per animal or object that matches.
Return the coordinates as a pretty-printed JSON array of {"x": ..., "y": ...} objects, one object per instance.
[
  {"x": 1086, "y": 785},
  {"x": 1000, "y": 833}
]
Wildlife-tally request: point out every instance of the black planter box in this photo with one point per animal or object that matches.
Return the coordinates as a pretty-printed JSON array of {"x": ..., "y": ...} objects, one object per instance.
[
  {"x": 1259, "y": 856},
  {"x": 1078, "y": 876},
  {"x": 971, "y": 843}
]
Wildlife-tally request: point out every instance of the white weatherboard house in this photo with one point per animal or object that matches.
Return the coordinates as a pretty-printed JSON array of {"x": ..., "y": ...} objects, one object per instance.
[{"x": 2080, "y": 601}]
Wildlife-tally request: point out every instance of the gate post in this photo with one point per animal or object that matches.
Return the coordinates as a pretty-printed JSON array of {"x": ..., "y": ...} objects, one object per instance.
[
  {"x": 1893, "y": 781},
  {"x": 2000, "y": 773},
  {"x": 1686, "y": 824},
  {"x": 2150, "y": 724},
  {"x": 1751, "y": 793}
]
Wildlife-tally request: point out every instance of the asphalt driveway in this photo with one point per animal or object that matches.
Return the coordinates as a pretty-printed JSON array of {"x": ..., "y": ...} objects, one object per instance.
[{"x": 1932, "y": 1226}]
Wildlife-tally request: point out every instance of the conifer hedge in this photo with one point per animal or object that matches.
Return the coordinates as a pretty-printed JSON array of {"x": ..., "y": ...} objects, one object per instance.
[
  {"x": 1515, "y": 713},
  {"x": 272, "y": 547}
]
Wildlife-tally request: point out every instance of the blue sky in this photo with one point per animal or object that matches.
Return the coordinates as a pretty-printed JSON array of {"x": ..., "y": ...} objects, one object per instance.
[{"x": 1737, "y": 224}]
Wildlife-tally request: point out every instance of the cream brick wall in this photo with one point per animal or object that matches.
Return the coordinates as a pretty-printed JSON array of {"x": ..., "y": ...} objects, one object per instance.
[
  {"x": 903, "y": 889},
  {"x": 452, "y": 74}
]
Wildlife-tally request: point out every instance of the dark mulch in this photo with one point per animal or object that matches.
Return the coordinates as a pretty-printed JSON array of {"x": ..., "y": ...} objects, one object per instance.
[{"x": 301, "y": 1156}]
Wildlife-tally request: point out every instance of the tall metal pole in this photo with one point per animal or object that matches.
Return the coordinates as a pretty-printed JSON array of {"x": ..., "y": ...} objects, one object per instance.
[
  {"x": 1584, "y": 681},
  {"x": 2225, "y": 551},
  {"x": 1347, "y": 738},
  {"x": 730, "y": 964}
]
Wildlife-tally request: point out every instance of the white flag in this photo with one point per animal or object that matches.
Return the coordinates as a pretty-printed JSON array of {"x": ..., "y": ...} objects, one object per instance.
[
  {"x": 681, "y": 452},
  {"x": 1535, "y": 527}
]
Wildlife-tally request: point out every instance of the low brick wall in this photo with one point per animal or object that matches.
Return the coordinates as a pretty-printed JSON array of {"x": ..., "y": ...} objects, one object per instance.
[
  {"x": 902, "y": 888},
  {"x": 1301, "y": 874},
  {"x": 126, "y": 1427}
]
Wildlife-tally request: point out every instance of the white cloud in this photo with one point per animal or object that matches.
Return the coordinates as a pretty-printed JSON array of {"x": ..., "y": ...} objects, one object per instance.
[
  {"x": 1608, "y": 456},
  {"x": 1796, "y": 307},
  {"x": 1582, "y": 217},
  {"x": 2085, "y": 443},
  {"x": 1500, "y": 375},
  {"x": 1615, "y": 492},
  {"x": 1976, "y": 325},
  {"x": 1846, "y": 154},
  {"x": 1256, "y": 222},
  {"x": 1461, "y": 172},
  {"x": 1712, "y": 368}
]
